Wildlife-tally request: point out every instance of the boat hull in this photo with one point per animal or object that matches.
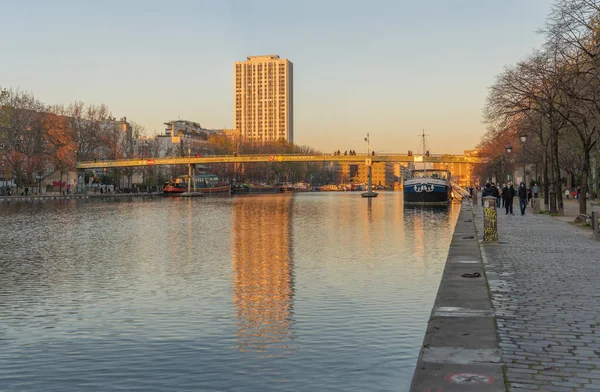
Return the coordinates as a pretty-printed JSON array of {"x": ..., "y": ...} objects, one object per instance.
[
  {"x": 427, "y": 192},
  {"x": 178, "y": 191}
]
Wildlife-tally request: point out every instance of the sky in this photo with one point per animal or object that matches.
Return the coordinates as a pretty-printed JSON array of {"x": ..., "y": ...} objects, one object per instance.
[{"x": 387, "y": 68}]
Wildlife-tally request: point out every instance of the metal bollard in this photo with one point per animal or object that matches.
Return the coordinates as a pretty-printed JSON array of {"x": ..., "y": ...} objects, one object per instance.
[
  {"x": 595, "y": 225},
  {"x": 490, "y": 221}
]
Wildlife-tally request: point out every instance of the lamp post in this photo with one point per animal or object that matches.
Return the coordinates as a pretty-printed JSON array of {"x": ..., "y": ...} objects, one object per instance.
[
  {"x": 508, "y": 149},
  {"x": 368, "y": 162},
  {"x": 523, "y": 138}
]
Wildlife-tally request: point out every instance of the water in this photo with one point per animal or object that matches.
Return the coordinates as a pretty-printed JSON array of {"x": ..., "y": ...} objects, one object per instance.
[{"x": 305, "y": 292}]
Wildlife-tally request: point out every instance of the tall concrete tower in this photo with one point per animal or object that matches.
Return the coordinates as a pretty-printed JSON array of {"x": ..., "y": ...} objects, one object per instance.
[{"x": 264, "y": 103}]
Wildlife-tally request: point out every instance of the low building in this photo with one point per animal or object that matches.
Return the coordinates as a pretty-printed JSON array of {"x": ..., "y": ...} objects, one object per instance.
[
  {"x": 184, "y": 137},
  {"x": 382, "y": 173}
]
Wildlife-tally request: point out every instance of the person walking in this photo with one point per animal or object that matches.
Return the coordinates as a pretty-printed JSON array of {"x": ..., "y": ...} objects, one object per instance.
[
  {"x": 487, "y": 191},
  {"x": 511, "y": 196},
  {"x": 536, "y": 190},
  {"x": 496, "y": 194},
  {"x": 507, "y": 195},
  {"x": 522, "y": 197}
]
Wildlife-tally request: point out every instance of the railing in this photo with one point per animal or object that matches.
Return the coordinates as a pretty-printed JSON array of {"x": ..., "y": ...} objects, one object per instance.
[{"x": 255, "y": 158}]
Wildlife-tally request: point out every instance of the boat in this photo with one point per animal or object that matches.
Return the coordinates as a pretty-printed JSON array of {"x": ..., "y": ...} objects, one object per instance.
[
  {"x": 332, "y": 188},
  {"x": 204, "y": 184},
  {"x": 258, "y": 189},
  {"x": 302, "y": 187},
  {"x": 427, "y": 187}
]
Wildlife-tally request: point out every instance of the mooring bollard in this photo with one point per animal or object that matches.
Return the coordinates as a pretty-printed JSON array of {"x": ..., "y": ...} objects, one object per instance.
[
  {"x": 490, "y": 222},
  {"x": 595, "y": 225},
  {"x": 535, "y": 205}
]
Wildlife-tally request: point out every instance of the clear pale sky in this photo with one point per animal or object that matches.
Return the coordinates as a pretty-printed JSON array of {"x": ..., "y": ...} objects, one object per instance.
[{"x": 390, "y": 68}]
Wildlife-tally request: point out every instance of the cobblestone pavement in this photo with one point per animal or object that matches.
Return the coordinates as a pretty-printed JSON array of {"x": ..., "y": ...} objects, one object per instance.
[{"x": 544, "y": 277}]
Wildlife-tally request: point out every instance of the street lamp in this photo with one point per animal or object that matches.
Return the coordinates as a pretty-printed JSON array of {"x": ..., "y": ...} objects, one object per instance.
[
  {"x": 508, "y": 149},
  {"x": 523, "y": 138},
  {"x": 369, "y": 192}
]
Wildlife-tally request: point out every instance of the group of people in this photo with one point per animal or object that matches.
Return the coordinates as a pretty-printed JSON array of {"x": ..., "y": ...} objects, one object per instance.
[
  {"x": 506, "y": 195},
  {"x": 575, "y": 194},
  {"x": 352, "y": 152}
]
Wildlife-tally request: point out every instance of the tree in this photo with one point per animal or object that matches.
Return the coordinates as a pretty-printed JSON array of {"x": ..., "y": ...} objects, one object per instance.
[{"x": 60, "y": 139}]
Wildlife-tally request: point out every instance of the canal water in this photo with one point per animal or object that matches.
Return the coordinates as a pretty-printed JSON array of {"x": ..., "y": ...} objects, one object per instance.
[{"x": 304, "y": 292}]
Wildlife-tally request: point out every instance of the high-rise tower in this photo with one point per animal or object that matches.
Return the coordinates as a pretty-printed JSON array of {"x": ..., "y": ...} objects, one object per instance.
[{"x": 264, "y": 104}]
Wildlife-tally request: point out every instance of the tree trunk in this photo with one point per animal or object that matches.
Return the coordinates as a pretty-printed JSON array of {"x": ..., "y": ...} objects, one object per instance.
[
  {"x": 545, "y": 184},
  {"x": 60, "y": 183},
  {"x": 584, "y": 182},
  {"x": 559, "y": 197}
]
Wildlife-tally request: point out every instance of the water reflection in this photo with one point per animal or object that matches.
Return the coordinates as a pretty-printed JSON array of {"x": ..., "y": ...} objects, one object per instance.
[
  {"x": 262, "y": 263},
  {"x": 420, "y": 218},
  {"x": 310, "y": 292}
]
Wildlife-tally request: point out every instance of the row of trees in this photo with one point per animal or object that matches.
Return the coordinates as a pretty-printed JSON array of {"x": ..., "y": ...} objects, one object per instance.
[
  {"x": 269, "y": 172},
  {"x": 553, "y": 97},
  {"x": 37, "y": 140}
]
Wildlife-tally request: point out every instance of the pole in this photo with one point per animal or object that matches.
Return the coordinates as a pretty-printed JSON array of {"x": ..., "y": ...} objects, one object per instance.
[
  {"x": 552, "y": 188},
  {"x": 189, "y": 176},
  {"x": 369, "y": 181},
  {"x": 525, "y": 182}
]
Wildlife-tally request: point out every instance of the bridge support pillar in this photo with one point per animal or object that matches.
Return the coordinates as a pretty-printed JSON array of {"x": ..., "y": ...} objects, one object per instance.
[{"x": 81, "y": 188}]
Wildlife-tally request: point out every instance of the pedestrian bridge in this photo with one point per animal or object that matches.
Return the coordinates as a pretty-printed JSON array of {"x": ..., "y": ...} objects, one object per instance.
[{"x": 255, "y": 158}]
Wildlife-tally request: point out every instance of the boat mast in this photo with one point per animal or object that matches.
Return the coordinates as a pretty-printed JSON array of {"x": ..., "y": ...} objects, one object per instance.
[{"x": 424, "y": 154}]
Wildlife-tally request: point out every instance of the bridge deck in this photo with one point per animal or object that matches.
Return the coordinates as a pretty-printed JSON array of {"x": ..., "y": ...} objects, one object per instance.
[{"x": 254, "y": 158}]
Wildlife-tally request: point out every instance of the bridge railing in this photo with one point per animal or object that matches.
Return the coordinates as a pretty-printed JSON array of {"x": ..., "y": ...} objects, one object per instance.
[{"x": 255, "y": 158}]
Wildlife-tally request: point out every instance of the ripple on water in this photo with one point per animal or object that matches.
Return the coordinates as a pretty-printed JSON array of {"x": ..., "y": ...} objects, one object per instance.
[{"x": 282, "y": 292}]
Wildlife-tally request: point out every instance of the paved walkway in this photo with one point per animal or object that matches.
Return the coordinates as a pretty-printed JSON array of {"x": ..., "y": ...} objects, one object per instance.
[{"x": 544, "y": 278}]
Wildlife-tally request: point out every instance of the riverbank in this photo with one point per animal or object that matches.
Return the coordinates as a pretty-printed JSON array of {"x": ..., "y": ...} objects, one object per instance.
[
  {"x": 460, "y": 349},
  {"x": 543, "y": 278},
  {"x": 73, "y": 196}
]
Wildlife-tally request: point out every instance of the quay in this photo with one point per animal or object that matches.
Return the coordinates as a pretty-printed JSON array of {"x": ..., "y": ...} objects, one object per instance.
[
  {"x": 75, "y": 196},
  {"x": 541, "y": 331},
  {"x": 460, "y": 350}
]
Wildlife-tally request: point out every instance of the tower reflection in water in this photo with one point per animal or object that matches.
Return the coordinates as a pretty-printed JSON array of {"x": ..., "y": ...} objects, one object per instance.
[{"x": 264, "y": 285}]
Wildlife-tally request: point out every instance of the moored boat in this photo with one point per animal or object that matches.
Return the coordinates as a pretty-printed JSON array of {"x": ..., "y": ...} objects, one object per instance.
[
  {"x": 244, "y": 189},
  {"x": 427, "y": 186},
  {"x": 202, "y": 183}
]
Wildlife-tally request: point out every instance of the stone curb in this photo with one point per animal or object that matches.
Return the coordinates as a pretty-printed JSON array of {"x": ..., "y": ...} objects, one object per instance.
[{"x": 460, "y": 349}]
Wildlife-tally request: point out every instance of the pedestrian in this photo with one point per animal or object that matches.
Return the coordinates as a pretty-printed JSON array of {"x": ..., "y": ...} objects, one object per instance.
[
  {"x": 536, "y": 190},
  {"x": 567, "y": 193},
  {"x": 511, "y": 196},
  {"x": 522, "y": 197},
  {"x": 487, "y": 191},
  {"x": 507, "y": 199},
  {"x": 496, "y": 194}
]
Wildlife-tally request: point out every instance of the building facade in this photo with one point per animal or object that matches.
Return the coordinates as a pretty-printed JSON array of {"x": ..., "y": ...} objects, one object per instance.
[
  {"x": 382, "y": 173},
  {"x": 183, "y": 137},
  {"x": 263, "y": 101}
]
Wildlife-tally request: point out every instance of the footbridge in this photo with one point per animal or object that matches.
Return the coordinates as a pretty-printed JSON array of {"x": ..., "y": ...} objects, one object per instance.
[{"x": 256, "y": 158}]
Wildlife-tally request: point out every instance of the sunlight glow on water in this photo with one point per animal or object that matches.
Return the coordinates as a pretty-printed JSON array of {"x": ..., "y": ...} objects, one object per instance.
[{"x": 300, "y": 292}]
